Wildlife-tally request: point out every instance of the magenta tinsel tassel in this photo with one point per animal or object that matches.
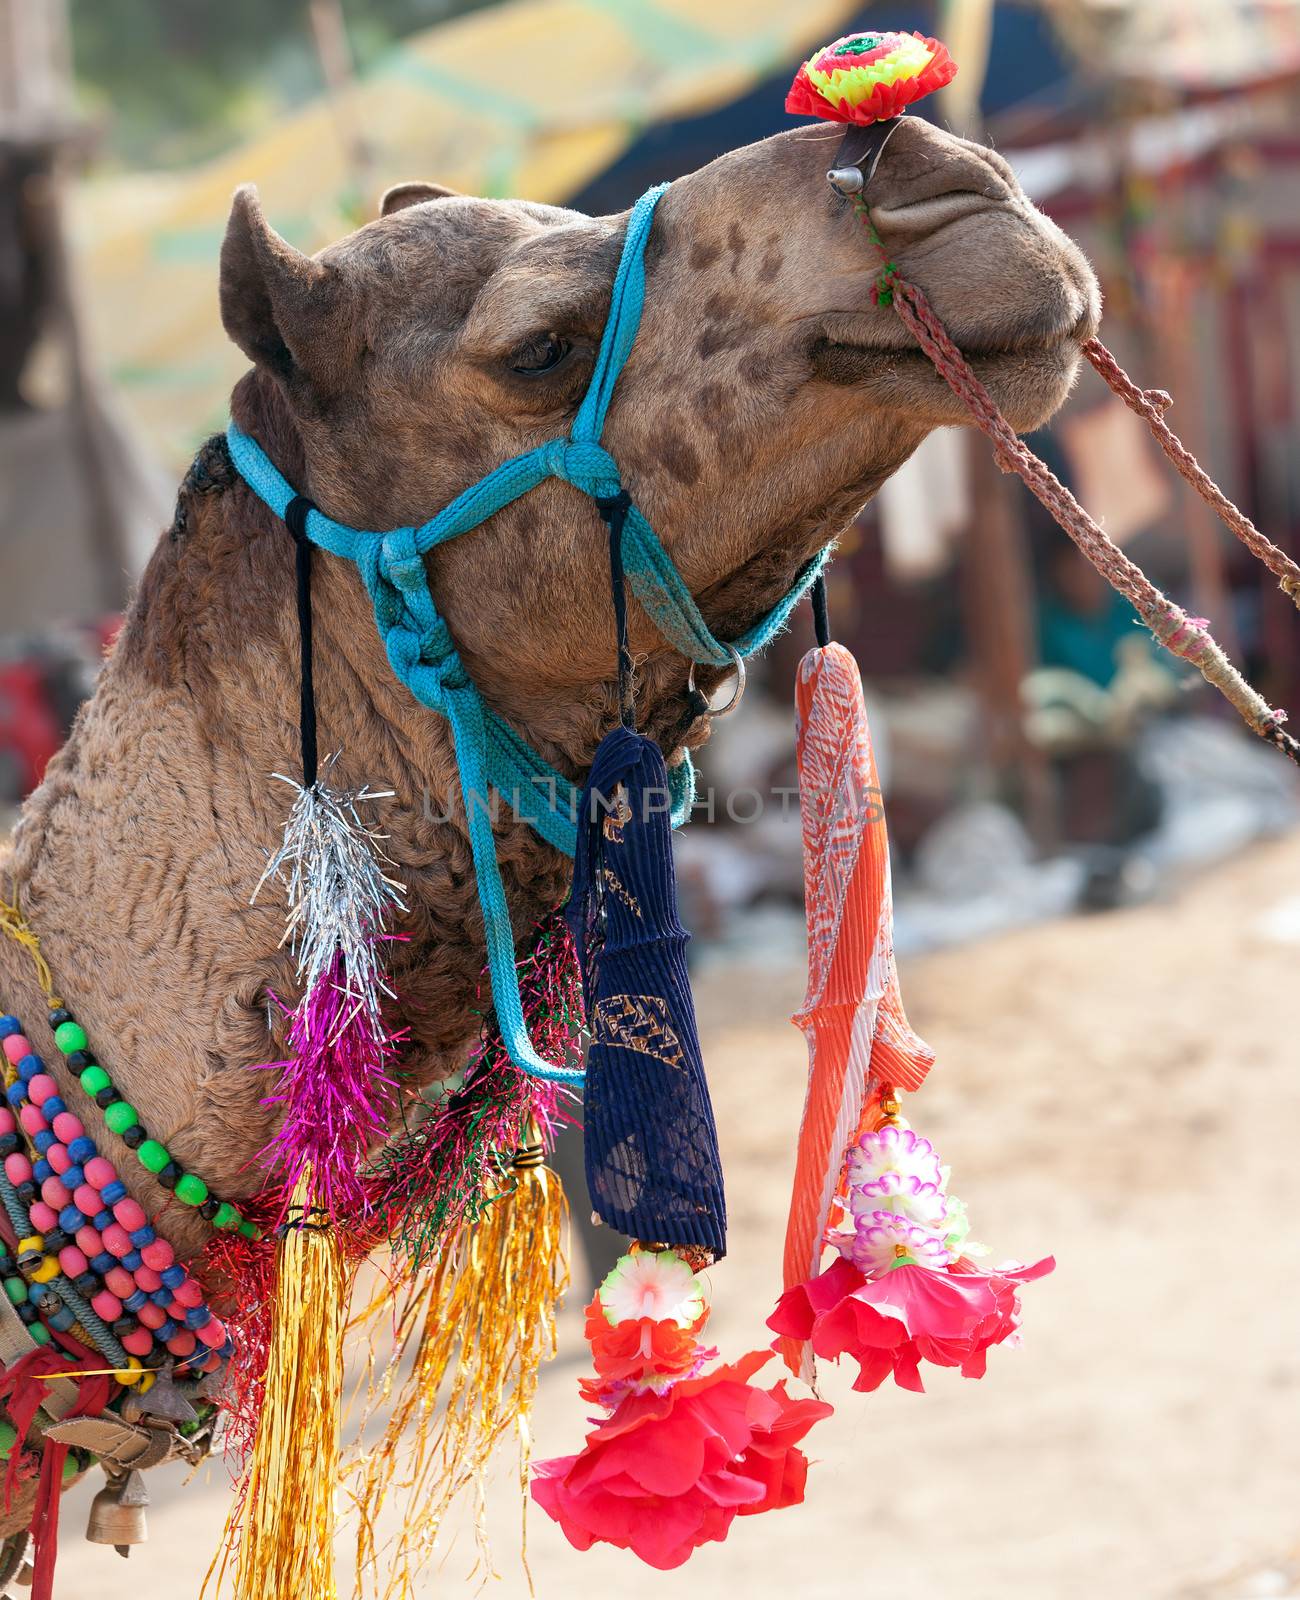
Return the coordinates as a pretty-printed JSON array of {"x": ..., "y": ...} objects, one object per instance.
[{"x": 337, "y": 1090}]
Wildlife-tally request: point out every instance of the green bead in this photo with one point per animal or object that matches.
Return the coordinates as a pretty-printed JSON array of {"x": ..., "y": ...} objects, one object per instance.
[
  {"x": 8, "y": 1438},
  {"x": 39, "y": 1333},
  {"x": 71, "y": 1466},
  {"x": 93, "y": 1079},
  {"x": 249, "y": 1230},
  {"x": 16, "y": 1289},
  {"x": 225, "y": 1216},
  {"x": 70, "y": 1036},
  {"x": 191, "y": 1189},
  {"x": 121, "y": 1115},
  {"x": 153, "y": 1155}
]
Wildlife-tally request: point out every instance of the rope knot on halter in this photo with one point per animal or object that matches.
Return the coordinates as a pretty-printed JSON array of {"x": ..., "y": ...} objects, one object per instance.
[
  {"x": 416, "y": 637},
  {"x": 587, "y": 466}
]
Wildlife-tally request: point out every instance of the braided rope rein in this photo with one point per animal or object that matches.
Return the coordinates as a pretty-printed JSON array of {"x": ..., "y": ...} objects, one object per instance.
[{"x": 1184, "y": 636}]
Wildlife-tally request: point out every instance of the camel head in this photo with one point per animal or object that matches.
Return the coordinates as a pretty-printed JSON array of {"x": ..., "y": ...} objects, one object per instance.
[{"x": 765, "y": 399}]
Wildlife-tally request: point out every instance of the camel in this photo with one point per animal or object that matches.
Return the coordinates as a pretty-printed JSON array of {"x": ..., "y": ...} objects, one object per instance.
[{"x": 767, "y": 397}]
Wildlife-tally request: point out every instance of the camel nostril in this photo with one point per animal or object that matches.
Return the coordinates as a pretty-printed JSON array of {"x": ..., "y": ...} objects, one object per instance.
[{"x": 921, "y": 218}]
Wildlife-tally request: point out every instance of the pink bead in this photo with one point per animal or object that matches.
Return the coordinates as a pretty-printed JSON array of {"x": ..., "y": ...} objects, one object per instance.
[
  {"x": 151, "y": 1316},
  {"x": 41, "y": 1087},
  {"x": 99, "y": 1172},
  {"x": 44, "y": 1218},
  {"x": 88, "y": 1239},
  {"x": 56, "y": 1193},
  {"x": 68, "y": 1127},
  {"x": 58, "y": 1157},
  {"x": 212, "y": 1333},
  {"x": 32, "y": 1119},
  {"x": 147, "y": 1279},
  {"x": 73, "y": 1261},
  {"x": 159, "y": 1255},
  {"x": 87, "y": 1200},
  {"x": 7, "y": 1123},
  {"x": 139, "y": 1342},
  {"x": 117, "y": 1241},
  {"x": 17, "y": 1045},
  {"x": 130, "y": 1213},
  {"x": 120, "y": 1282},
  {"x": 211, "y": 1364},
  {"x": 106, "y": 1305},
  {"x": 17, "y": 1168},
  {"x": 182, "y": 1343},
  {"x": 189, "y": 1294}
]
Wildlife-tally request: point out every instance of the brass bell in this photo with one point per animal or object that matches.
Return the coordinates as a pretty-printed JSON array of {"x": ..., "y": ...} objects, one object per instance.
[{"x": 117, "y": 1513}]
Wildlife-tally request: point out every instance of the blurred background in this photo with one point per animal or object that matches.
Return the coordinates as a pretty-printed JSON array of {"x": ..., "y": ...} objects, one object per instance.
[{"x": 1098, "y": 906}]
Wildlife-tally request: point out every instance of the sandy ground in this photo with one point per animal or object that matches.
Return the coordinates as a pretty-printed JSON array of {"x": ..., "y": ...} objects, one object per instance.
[{"x": 1123, "y": 1091}]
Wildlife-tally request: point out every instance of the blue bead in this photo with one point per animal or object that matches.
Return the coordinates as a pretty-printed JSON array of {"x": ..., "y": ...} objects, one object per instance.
[
  {"x": 166, "y": 1330},
  {"x": 52, "y": 1107},
  {"x": 197, "y": 1317},
  {"x": 71, "y": 1218},
  {"x": 73, "y": 1176},
  {"x": 132, "y": 1260},
  {"x": 16, "y": 1093},
  {"x": 143, "y": 1236},
  {"x": 161, "y": 1298},
  {"x": 227, "y": 1350},
  {"x": 45, "y": 1297},
  {"x": 111, "y": 1193},
  {"x": 82, "y": 1150},
  {"x": 29, "y": 1066},
  {"x": 103, "y": 1262},
  {"x": 9, "y": 1024},
  {"x": 135, "y": 1300},
  {"x": 44, "y": 1139},
  {"x": 173, "y": 1276},
  {"x": 41, "y": 1170},
  {"x": 102, "y": 1219},
  {"x": 62, "y": 1319}
]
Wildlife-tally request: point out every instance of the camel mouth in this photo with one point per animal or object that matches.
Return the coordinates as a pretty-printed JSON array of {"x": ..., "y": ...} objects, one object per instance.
[{"x": 839, "y": 358}]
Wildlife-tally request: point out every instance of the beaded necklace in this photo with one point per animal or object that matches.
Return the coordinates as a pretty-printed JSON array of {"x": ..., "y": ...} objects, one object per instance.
[{"x": 87, "y": 1258}]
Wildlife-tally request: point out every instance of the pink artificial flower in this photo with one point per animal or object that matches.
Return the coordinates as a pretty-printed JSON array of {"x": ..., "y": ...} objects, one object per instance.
[
  {"x": 884, "y": 1241},
  {"x": 666, "y": 1473},
  {"x": 891, "y": 1323},
  {"x": 893, "y": 1149}
]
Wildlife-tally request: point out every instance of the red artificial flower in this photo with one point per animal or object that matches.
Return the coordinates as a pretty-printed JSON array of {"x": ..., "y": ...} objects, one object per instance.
[
  {"x": 666, "y": 1473},
  {"x": 893, "y": 1322},
  {"x": 863, "y": 100}
]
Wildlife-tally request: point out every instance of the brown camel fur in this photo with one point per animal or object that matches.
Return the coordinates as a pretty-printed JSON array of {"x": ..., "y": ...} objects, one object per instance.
[{"x": 766, "y": 398}]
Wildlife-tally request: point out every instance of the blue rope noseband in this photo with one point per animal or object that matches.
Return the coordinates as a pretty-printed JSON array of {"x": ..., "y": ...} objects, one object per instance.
[{"x": 422, "y": 653}]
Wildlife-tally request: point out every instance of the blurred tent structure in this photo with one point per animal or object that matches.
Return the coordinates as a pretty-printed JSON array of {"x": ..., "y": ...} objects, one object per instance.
[{"x": 534, "y": 97}]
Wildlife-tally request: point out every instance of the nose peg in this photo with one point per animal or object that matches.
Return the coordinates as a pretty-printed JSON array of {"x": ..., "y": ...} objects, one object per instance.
[
  {"x": 847, "y": 180},
  {"x": 859, "y": 154}
]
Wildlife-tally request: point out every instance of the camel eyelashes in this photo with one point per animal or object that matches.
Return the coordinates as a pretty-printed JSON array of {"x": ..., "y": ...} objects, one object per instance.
[{"x": 543, "y": 353}]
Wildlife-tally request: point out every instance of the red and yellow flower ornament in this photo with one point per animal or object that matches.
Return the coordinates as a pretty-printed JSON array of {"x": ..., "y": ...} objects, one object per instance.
[
  {"x": 869, "y": 77},
  {"x": 682, "y": 1451}
]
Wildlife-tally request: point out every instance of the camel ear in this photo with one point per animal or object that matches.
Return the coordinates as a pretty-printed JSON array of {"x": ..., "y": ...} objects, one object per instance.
[
  {"x": 285, "y": 311},
  {"x": 402, "y": 195}
]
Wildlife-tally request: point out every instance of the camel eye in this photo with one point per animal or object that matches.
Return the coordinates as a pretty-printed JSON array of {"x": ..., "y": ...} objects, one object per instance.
[{"x": 541, "y": 354}]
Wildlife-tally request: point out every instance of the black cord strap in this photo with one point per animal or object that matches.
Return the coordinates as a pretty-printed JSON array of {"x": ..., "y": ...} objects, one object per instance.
[
  {"x": 821, "y": 614},
  {"x": 614, "y": 510},
  {"x": 295, "y": 517}
]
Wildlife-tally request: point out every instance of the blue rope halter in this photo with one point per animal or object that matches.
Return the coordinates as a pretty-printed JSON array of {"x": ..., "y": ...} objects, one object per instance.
[{"x": 421, "y": 651}]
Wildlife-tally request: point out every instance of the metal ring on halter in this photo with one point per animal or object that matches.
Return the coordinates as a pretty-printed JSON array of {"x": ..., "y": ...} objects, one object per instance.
[{"x": 738, "y": 667}]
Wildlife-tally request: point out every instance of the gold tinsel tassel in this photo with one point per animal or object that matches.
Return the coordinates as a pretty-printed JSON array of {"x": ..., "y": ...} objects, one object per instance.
[
  {"x": 483, "y": 1321},
  {"x": 282, "y": 1525}
]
